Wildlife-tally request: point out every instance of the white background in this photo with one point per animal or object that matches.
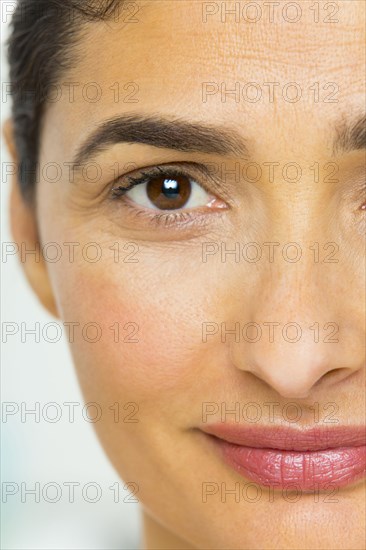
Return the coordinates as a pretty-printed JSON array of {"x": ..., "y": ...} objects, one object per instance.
[{"x": 45, "y": 452}]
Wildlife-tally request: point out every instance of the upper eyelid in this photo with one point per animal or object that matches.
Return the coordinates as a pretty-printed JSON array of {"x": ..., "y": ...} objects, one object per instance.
[
  {"x": 155, "y": 170},
  {"x": 210, "y": 182},
  {"x": 178, "y": 166}
]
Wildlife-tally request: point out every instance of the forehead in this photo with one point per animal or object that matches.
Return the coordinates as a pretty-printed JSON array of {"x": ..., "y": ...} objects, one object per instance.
[
  {"x": 190, "y": 39},
  {"x": 223, "y": 59}
]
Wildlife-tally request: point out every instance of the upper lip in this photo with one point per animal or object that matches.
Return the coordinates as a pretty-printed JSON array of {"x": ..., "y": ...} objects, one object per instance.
[{"x": 288, "y": 438}]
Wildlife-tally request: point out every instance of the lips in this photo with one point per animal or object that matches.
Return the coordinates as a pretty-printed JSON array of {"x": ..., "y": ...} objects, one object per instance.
[{"x": 278, "y": 457}]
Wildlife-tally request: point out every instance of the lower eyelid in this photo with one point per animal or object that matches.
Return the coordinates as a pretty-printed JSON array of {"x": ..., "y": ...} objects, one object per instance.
[{"x": 157, "y": 218}]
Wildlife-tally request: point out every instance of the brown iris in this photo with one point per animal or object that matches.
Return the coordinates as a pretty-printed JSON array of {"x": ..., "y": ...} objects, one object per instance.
[{"x": 169, "y": 193}]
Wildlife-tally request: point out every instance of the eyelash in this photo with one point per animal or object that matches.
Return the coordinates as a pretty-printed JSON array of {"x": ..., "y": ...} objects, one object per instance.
[{"x": 170, "y": 218}]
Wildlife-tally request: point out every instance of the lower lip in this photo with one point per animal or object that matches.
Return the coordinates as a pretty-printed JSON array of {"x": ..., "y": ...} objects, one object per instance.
[{"x": 296, "y": 470}]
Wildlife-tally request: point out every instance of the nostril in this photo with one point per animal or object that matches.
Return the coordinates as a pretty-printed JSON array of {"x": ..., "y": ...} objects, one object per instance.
[{"x": 335, "y": 375}]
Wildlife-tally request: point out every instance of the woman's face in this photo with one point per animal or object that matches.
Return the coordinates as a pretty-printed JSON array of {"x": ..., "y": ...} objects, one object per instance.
[{"x": 242, "y": 305}]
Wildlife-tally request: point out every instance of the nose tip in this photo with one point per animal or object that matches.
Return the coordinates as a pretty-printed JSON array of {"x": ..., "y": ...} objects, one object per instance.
[
  {"x": 288, "y": 379},
  {"x": 295, "y": 376}
]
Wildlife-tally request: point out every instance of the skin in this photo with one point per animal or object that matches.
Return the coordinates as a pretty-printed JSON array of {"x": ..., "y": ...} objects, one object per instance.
[{"x": 170, "y": 372}]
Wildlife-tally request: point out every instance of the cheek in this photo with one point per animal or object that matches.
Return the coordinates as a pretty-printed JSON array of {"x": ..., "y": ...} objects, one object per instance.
[{"x": 146, "y": 321}]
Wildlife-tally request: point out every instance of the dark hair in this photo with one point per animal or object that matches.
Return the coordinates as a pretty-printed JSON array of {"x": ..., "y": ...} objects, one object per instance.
[{"x": 40, "y": 50}]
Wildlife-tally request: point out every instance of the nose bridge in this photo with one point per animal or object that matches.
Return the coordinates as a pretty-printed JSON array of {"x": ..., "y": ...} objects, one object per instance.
[
  {"x": 296, "y": 291},
  {"x": 302, "y": 267}
]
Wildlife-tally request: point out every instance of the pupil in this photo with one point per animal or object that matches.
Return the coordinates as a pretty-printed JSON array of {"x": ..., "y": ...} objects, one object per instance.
[{"x": 171, "y": 188}]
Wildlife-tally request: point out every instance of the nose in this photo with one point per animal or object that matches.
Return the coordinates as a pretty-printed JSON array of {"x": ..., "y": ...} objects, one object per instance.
[{"x": 301, "y": 334}]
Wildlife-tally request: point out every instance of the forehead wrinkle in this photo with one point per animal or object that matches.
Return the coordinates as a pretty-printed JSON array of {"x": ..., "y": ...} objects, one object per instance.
[{"x": 275, "y": 51}]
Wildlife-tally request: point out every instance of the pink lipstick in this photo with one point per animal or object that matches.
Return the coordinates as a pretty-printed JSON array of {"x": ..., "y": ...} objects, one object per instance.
[{"x": 279, "y": 457}]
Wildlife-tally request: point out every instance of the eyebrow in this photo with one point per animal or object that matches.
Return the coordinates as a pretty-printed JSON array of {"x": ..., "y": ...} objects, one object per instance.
[
  {"x": 185, "y": 136},
  {"x": 350, "y": 135},
  {"x": 158, "y": 131}
]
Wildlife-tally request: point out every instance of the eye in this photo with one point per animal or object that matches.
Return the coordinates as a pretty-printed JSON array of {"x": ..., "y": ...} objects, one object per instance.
[
  {"x": 168, "y": 193},
  {"x": 165, "y": 189}
]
